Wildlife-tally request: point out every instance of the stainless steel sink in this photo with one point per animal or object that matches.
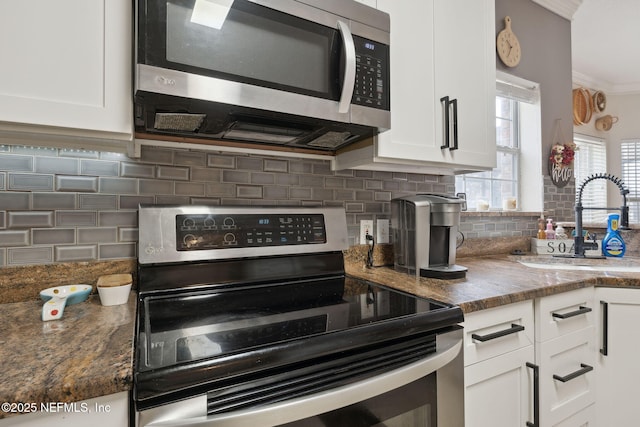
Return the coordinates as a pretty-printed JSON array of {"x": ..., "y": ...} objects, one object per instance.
[{"x": 626, "y": 265}]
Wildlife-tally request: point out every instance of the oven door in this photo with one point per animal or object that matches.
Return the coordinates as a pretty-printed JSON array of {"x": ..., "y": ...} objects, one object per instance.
[{"x": 426, "y": 393}]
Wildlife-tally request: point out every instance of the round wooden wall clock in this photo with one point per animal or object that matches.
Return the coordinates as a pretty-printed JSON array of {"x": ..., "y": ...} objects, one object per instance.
[{"x": 508, "y": 45}]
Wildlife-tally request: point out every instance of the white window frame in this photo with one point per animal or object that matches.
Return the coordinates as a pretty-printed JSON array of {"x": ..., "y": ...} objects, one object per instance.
[
  {"x": 527, "y": 146},
  {"x": 591, "y": 158},
  {"x": 630, "y": 165}
]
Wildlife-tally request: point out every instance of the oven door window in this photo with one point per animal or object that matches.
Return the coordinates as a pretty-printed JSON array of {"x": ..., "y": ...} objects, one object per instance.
[
  {"x": 414, "y": 404},
  {"x": 253, "y": 44}
]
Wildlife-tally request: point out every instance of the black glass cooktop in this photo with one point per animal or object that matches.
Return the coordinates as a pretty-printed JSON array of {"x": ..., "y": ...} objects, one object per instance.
[{"x": 199, "y": 325}]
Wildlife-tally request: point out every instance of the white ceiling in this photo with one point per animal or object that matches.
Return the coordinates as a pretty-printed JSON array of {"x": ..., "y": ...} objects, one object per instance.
[{"x": 605, "y": 43}]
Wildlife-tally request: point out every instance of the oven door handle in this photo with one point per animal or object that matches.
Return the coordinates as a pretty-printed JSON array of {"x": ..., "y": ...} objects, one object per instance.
[{"x": 192, "y": 412}]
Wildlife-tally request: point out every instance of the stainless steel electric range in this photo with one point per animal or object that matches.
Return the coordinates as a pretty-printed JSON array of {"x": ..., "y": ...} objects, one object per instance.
[{"x": 246, "y": 318}]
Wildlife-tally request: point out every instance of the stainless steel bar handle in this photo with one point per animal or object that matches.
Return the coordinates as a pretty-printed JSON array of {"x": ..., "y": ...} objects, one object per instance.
[{"x": 349, "y": 82}]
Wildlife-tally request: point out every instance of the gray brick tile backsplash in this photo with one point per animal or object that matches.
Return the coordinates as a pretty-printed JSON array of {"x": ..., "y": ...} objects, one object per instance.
[
  {"x": 76, "y": 218},
  {"x": 32, "y": 255},
  {"x": 132, "y": 202},
  {"x": 248, "y": 192},
  {"x": 76, "y": 253},
  {"x": 118, "y": 219},
  {"x": 221, "y": 161},
  {"x": 149, "y": 186},
  {"x": 97, "y": 201},
  {"x": 76, "y": 205},
  {"x": 161, "y": 156},
  {"x": 190, "y": 158},
  {"x": 136, "y": 170},
  {"x": 83, "y": 184},
  {"x": 53, "y": 236},
  {"x": 98, "y": 235},
  {"x": 273, "y": 165},
  {"x": 10, "y": 238},
  {"x": 118, "y": 185},
  {"x": 117, "y": 251},
  {"x": 56, "y": 165},
  {"x": 26, "y": 219},
  {"x": 127, "y": 234},
  {"x": 189, "y": 189},
  {"x": 29, "y": 182},
  {"x": 173, "y": 200},
  {"x": 205, "y": 175},
  {"x": 9, "y": 162},
  {"x": 220, "y": 190},
  {"x": 172, "y": 172}
]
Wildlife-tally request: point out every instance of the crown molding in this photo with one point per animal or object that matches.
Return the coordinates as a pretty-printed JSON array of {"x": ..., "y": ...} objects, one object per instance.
[
  {"x": 564, "y": 8},
  {"x": 580, "y": 79}
]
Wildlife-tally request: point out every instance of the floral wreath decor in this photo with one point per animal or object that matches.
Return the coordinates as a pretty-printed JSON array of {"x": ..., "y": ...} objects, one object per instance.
[{"x": 561, "y": 163}]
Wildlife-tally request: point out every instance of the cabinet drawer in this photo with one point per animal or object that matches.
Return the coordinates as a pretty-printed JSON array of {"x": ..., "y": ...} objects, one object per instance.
[
  {"x": 564, "y": 313},
  {"x": 567, "y": 375},
  {"x": 496, "y": 331},
  {"x": 584, "y": 418}
]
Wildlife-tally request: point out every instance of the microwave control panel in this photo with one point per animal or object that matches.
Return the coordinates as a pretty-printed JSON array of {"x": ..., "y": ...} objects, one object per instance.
[
  {"x": 213, "y": 231},
  {"x": 372, "y": 74}
]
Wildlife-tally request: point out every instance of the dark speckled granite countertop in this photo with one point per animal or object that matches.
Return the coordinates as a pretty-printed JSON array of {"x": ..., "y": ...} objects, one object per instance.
[
  {"x": 490, "y": 281},
  {"x": 86, "y": 354}
]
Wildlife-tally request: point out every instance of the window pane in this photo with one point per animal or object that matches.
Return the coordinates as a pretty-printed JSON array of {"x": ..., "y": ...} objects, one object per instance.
[
  {"x": 630, "y": 154},
  {"x": 590, "y": 158}
]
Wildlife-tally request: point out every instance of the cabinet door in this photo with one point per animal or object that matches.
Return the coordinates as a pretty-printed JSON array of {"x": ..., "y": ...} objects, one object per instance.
[
  {"x": 412, "y": 134},
  {"x": 67, "y": 65},
  {"x": 619, "y": 371},
  {"x": 567, "y": 375},
  {"x": 498, "y": 390},
  {"x": 465, "y": 67}
]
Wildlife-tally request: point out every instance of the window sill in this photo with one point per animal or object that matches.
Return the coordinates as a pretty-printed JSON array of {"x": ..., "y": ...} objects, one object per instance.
[{"x": 501, "y": 213}]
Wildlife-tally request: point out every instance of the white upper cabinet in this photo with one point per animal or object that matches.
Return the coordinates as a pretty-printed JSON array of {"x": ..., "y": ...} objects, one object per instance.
[
  {"x": 66, "y": 68},
  {"x": 442, "y": 71}
]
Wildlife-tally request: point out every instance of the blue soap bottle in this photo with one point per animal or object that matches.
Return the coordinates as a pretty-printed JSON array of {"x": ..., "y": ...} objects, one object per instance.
[{"x": 613, "y": 244}]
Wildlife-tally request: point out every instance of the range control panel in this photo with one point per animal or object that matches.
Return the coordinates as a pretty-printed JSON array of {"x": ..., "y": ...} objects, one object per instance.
[{"x": 211, "y": 231}]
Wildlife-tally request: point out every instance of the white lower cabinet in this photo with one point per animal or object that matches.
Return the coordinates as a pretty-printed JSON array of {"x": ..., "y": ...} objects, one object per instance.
[
  {"x": 498, "y": 384},
  {"x": 618, "y": 373},
  {"x": 505, "y": 362},
  {"x": 498, "y": 391}
]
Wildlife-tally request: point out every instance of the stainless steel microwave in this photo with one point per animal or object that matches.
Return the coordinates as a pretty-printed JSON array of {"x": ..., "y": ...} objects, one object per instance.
[{"x": 297, "y": 73}]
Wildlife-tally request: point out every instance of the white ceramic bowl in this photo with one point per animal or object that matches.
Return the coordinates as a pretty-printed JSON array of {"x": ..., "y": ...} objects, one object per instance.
[{"x": 114, "y": 295}]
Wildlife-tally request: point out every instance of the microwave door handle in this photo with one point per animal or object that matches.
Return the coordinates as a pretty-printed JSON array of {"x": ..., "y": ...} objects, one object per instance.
[{"x": 349, "y": 81}]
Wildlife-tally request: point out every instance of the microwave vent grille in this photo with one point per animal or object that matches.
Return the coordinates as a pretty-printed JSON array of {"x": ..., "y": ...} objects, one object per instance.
[{"x": 178, "y": 121}]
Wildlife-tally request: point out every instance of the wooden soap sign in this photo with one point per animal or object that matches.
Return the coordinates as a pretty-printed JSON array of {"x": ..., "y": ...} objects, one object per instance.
[{"x": 561, "y": 164}]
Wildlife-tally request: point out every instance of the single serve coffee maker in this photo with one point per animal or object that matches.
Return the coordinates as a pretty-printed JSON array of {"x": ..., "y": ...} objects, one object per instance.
[{"x": 424, "y": 230}]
